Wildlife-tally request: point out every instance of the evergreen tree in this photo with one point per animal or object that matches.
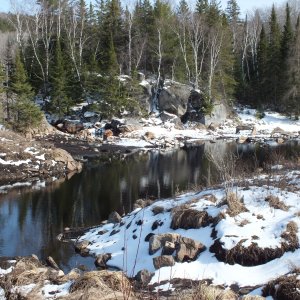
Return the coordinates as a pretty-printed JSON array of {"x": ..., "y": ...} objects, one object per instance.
[
  {"x": 26, "y": 113},
  {"x": 292, "y": 96},
  {"x": 202, "y": 6},
  {"x": 183, "y": 8},
  {"x": 274, "y": 60},
  {"x": 60, "y": 102},
  {"x": 232, "y": 13},
  {"x": 286, "y": 45},
  {"x": 262, "y": 67}
]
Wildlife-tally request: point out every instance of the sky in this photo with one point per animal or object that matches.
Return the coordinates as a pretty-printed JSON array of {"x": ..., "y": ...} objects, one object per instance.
[{"x": 244, "y": 5}]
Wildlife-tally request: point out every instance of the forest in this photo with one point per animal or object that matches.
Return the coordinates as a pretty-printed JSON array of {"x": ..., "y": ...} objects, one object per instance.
[{"x": 69, "y": 51}]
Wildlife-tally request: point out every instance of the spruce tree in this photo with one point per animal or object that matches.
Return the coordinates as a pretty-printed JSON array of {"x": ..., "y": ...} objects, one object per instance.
[
  {"x": 262, "y": 65},
  {"x": 292, "y": 97},
  {"x": 274, "y": 60},
  {"x": 183, "y": 8},
  {"x": 60, "y": 102},
  {"x": 286, "y": 45},
  {"x": 202, "y": 6},
  {"x": 26, "y": 113},
  {"x": 232, "y": 13}
]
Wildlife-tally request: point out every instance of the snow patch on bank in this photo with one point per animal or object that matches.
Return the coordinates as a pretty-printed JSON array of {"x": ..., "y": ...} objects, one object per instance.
[{"x": 130, "y": 251}]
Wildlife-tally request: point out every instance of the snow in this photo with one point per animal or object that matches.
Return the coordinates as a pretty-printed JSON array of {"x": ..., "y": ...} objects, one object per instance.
[
  {"x": 23, "y": 289},
  {"x": 267, "y": 229},
  {"x": 2, "y": 294},
  {"x": 15, "y": 163},
  {"x": 227, "y": 130},
  {"x": 53, "y": 291},
  {"x": 269, "y": 122}
]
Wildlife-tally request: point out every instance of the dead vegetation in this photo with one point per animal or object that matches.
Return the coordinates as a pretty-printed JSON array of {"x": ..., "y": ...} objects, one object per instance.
[
  {"x": 276, "y": 203},
  {"x": 101, "y": 285},
  {"x": 234, "y": 203},
  {"x": 252, "y": 255},
  {"x": 285, "y": 287},
  {"x": 210, "y": 292},
  {"x": 187, "y": 218},
  {"x": 290, "y": 234}
]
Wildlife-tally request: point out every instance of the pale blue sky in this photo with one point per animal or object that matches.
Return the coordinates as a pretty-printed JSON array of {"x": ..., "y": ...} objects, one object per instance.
[{"x": 244, "y": 4}]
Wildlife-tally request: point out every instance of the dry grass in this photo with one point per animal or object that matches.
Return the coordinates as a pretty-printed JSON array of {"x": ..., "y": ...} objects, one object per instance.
[
  {"x": 234, "y": 203},
  {"x": 186, "y": 218},
  {"x": 209, "y": 292},
  {"x": 276, "y": 203},
  {"x": 285, "y": 287},
  {"x": 157, "y": 210},
  {"x": 104, "y": 282}
]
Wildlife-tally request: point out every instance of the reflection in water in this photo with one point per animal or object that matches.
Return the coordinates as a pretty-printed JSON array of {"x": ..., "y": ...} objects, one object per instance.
[{"x": 30, "y": 221}]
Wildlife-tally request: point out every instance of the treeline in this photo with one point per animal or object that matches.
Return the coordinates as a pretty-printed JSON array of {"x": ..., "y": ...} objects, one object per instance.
[
  {"x": 270, "y": 63},
  {"x": 73, "y": 51}
]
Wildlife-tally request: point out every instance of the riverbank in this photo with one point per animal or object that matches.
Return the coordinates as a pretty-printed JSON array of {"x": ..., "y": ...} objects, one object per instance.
[
  {"x": 23, "y": 160},
  {"x": 26, "y": 162},
  {"x": 235, "y": 239}
]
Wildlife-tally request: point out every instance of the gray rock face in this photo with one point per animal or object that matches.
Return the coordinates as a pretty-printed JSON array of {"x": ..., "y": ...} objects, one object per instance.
[
  {"x": 114, "y": 218},
  {"x": 163, "y": 261},
  {"x": 174, "y": 98},
  {"x": 144, "y": 277}
]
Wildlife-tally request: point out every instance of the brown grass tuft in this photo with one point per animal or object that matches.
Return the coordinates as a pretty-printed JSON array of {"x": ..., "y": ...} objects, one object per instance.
[
  {"x": 276, "y": 203},
  {"x": 235, "y": 205},
  {"x": 157, "y": 210},
  {"x": 210, "y": 292},
  {"x": 105, "y": 282},
  {"x": 186, "y": 218},
  {"x": 285, "y": 287}
]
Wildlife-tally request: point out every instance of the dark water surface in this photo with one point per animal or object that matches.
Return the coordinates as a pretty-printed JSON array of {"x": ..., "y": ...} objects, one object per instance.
[{"x": 31, "y": 220}]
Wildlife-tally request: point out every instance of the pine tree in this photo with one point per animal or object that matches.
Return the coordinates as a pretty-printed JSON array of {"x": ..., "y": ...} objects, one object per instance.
[
  {"x": 262, "y": 65},
  {"x": 60, "y": 102},
  {"x": 286, "y": 44},
  {"x": 26, "y": 113},
  {"x": 232, "y": 13},
  {"x": 183, "y": 8},
  {"x": 202, "y": 6},
  {"x": 274, "y": 60},
  {"x": 292, "y": 96}
]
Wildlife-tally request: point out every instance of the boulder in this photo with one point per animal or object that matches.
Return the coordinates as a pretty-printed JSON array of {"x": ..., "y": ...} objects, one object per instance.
[
  {"x": 154, "y": 244},
  {"x": 81, "y": 245},
  {"x": 114, "y": 218},
  {"x": 72, "y": 127},
  {"x": 188, "y": 249},
  {"x": 278, "y": 130},
  {"x": 157, "y": 241},
  {"x": 174, "y": 98},
  {"x": 143, "y": 277},
  {"x": 213, "y": 126},
  {"x": 149, "y": 136},
  {"x": 128, "y": 128},
  {"x": 163, "y": 261},
  {"x": 102, "y": 259},
  {"x": 168, "y": 248},
  {"x": 242, "y": 128},
  {"x": 107, "y": 133}
]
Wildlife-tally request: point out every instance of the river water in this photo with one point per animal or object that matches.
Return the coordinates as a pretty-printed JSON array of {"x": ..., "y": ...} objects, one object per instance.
[{"x": 30, "y": 220}]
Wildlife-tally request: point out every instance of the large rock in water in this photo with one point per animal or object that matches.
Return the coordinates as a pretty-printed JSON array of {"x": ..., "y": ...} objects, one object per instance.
[{"x": 174, "y": 98}]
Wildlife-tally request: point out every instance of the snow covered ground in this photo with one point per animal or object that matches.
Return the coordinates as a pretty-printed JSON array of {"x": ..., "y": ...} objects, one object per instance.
[
  {"x": 262, "y": 224},
  {"x": 271, "y": 125}
]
